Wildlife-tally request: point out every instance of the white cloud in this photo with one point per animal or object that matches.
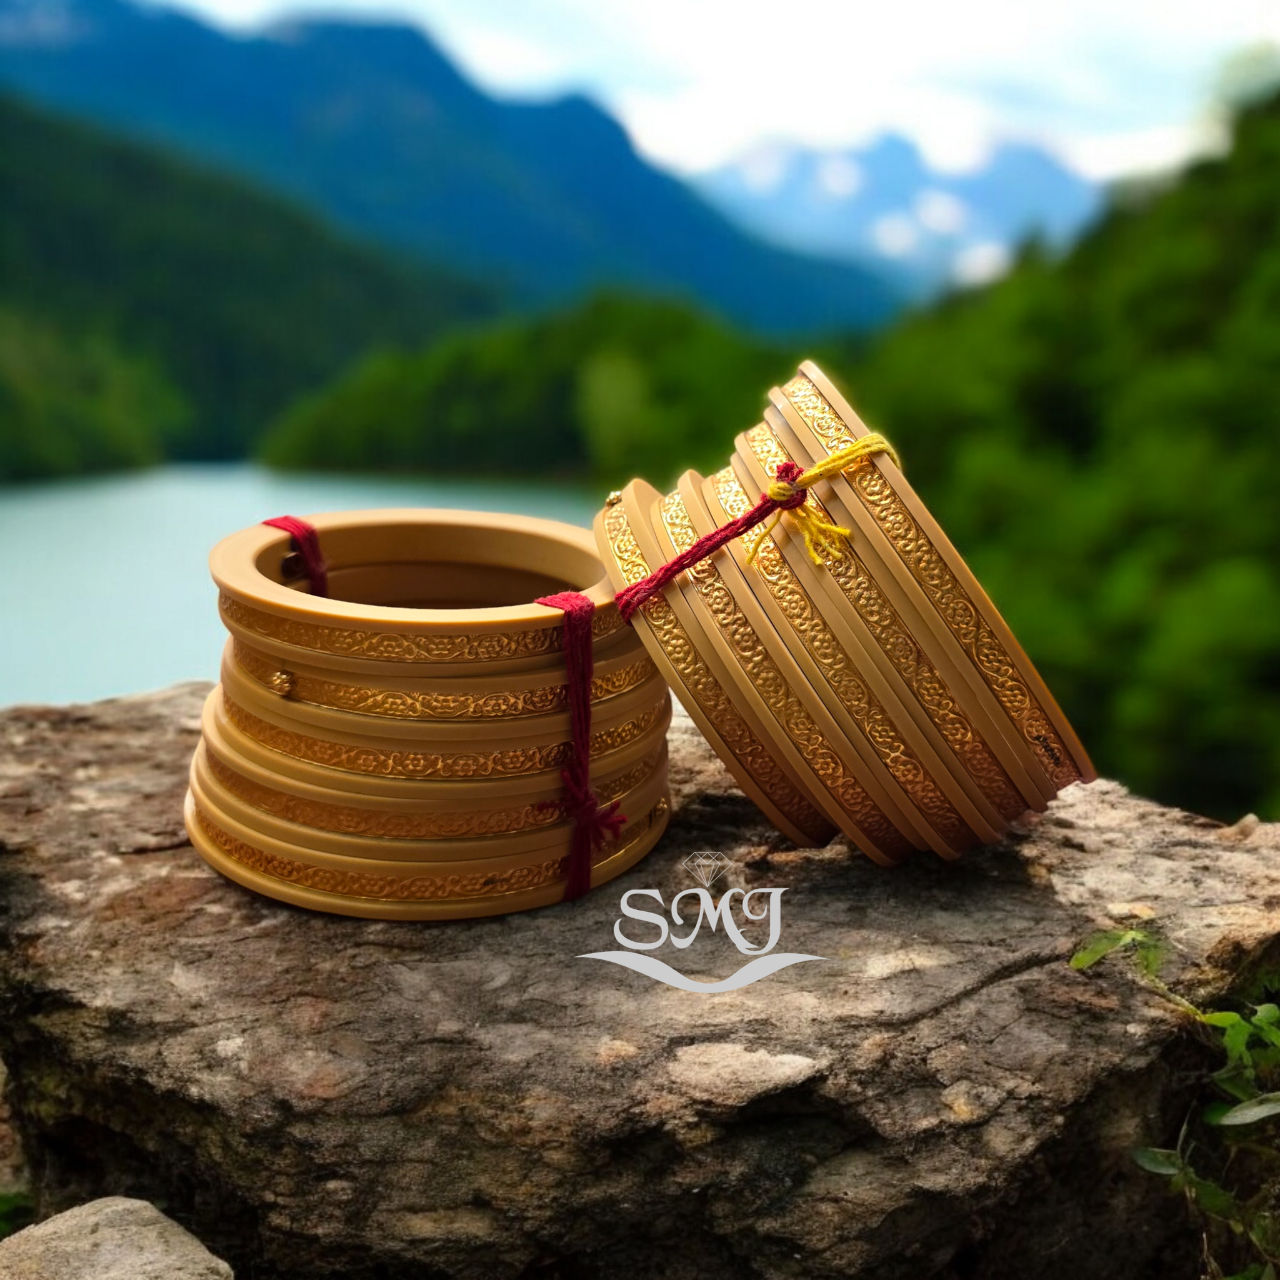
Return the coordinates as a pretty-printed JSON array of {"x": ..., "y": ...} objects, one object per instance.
[
  {"x": 839, "y": 177},
  {"x": 940, "y": 212},
  {"x": 895, "y": 235},
  {"x": 698, "y": 82},
  {"x": 980, "y": 263},
  {"x": 764, "y": 169}
]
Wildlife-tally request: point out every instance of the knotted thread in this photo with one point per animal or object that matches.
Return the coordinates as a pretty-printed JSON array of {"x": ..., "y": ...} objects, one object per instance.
[
  {"x": 306, "y": 542},
  {"x": 593, "y": 823},
  {"x": 788, "y": 492}
]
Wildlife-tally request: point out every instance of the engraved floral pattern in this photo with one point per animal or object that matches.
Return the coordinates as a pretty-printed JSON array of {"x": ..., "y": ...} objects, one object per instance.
[
  {"x": 419, "y": 825},
  {"x": 408, "y": 705},
  {"x": 395, "y": 646},
  {"x": 432, "y": 764}
]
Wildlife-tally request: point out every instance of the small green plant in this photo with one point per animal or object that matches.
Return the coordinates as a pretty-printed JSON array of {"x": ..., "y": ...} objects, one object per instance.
[
  {"x": 16, "y": 1212},
  {"x": 1227, "y": 1160}
]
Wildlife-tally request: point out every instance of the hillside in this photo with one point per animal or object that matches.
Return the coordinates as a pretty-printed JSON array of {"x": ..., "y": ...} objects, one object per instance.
[
  {"x": 372, "y": 126},
  {"x": 611, "y": 388},
  {"x": 1100, "y": 435},
  {"x": 236, "y": 300}
]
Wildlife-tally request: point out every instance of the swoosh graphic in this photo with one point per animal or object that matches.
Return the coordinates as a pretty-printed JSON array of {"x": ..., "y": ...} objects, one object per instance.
[{"x": 652, "y": 967}]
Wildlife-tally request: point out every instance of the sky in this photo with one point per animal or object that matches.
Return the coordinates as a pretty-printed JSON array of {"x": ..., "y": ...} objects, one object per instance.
[{"x": 1112, "y": 86}]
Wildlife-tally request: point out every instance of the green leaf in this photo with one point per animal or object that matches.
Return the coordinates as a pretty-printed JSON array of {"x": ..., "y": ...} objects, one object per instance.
[
  {"x": 1103, "y": 944},
  {"x": 1214, "y": 1111},
  {"x": 1235, "y": 1040},
  {"x": 1214, "y": 1200},
  {"x": 1150, "y": 956},
  {"x": 1158, "y": 1160},
  {"x": 1267, "y": 1014},
  {"x": 1224, "y": 1019},
  {"x": 1262, "y": 1107}
]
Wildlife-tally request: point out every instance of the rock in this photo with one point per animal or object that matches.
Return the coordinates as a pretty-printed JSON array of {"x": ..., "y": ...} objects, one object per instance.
[
  {"x": 111, "y": 1239},
  {"x": 318, "y": 1097}
]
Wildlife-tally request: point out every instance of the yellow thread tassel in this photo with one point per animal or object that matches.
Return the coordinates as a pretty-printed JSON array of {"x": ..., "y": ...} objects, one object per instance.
[{"x": 819, "y": 534}]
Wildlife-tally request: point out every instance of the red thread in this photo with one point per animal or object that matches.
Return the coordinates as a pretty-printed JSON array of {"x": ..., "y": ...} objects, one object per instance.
[
  {"x": 593, "y": 823},
  {"x": 630, "y": 598},
  {"x": 306, "y": 542}
]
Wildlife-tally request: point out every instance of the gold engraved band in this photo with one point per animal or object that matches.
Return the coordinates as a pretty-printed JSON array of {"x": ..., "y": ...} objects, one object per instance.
[
  {"x": 703, "y": 686},
  {"x": 896, "y": 642},
  {"x": 397, "y": 646},
  {"x": 954, "y": 604},
  {"x": 433, "y": 764},
  {"x": 791, "y": 714},
  {"x": 842, "y": 676},
  {"x": 421, "y": 825},
  {"x": 410, "y": 705},
  {"x": 416, "y": 887}
]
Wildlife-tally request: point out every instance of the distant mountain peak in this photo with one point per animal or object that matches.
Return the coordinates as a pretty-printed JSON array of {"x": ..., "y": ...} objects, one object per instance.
[{"x": 936, "y": 229}]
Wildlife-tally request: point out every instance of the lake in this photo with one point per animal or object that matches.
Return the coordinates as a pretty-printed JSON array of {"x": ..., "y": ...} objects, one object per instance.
[{"x": 104, "y": 582}]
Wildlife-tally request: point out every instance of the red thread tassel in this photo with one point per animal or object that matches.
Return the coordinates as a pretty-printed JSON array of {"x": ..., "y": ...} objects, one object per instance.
[
  {"x": 306, "y": 542},
  {"x": 631, "y": 598},
  {"x": 593, "y": 823}
]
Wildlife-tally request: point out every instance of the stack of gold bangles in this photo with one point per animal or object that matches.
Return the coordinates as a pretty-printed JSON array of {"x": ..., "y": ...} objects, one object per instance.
[
  {"x": 395, "y": 750},
  {"x": 877, "y": 691}
]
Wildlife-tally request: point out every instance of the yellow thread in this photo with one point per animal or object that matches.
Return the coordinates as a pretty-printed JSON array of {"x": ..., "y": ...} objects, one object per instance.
[{"x": 820, "y": 535}]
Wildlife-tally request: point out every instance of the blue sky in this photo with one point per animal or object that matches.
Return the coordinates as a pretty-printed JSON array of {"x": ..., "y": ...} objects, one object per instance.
[{"x": 1113, "y": 86}]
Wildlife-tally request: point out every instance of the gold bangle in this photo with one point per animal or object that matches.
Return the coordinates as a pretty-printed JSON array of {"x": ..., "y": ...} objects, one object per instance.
[
  {"x": 954, "y": 604},
  {"x": 433, "y": 764},
  {"x": 395, "y": 646},
  {"x": 842, "y": 676},
  {"x": 705, "y": 690},
  {"x": 792, "y": 716},
  {"x": 409, "y": 704},
  {"x": 416, "y": 887},
  {"x": 896, "y": 642},
  {"x": 350, "y": 819}
]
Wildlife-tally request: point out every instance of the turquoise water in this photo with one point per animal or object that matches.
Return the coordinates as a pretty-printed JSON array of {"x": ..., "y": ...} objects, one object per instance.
[{"x": 104, "y": 584}]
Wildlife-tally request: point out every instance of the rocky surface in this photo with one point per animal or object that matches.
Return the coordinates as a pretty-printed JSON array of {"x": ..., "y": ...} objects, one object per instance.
[
  {"x": 940, "y": 1096},
  {"x": 109, "y": 1239}
]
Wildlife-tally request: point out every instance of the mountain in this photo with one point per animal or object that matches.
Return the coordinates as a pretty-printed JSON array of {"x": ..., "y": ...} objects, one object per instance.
[
  {"x": 884, "y": 202},
  {"x": 370, "y": 124},
  {"x": 140, "y": 270}
]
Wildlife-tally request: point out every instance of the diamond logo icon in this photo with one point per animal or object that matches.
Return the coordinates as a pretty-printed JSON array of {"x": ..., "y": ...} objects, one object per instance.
[{"x": 705, "y": 867}]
